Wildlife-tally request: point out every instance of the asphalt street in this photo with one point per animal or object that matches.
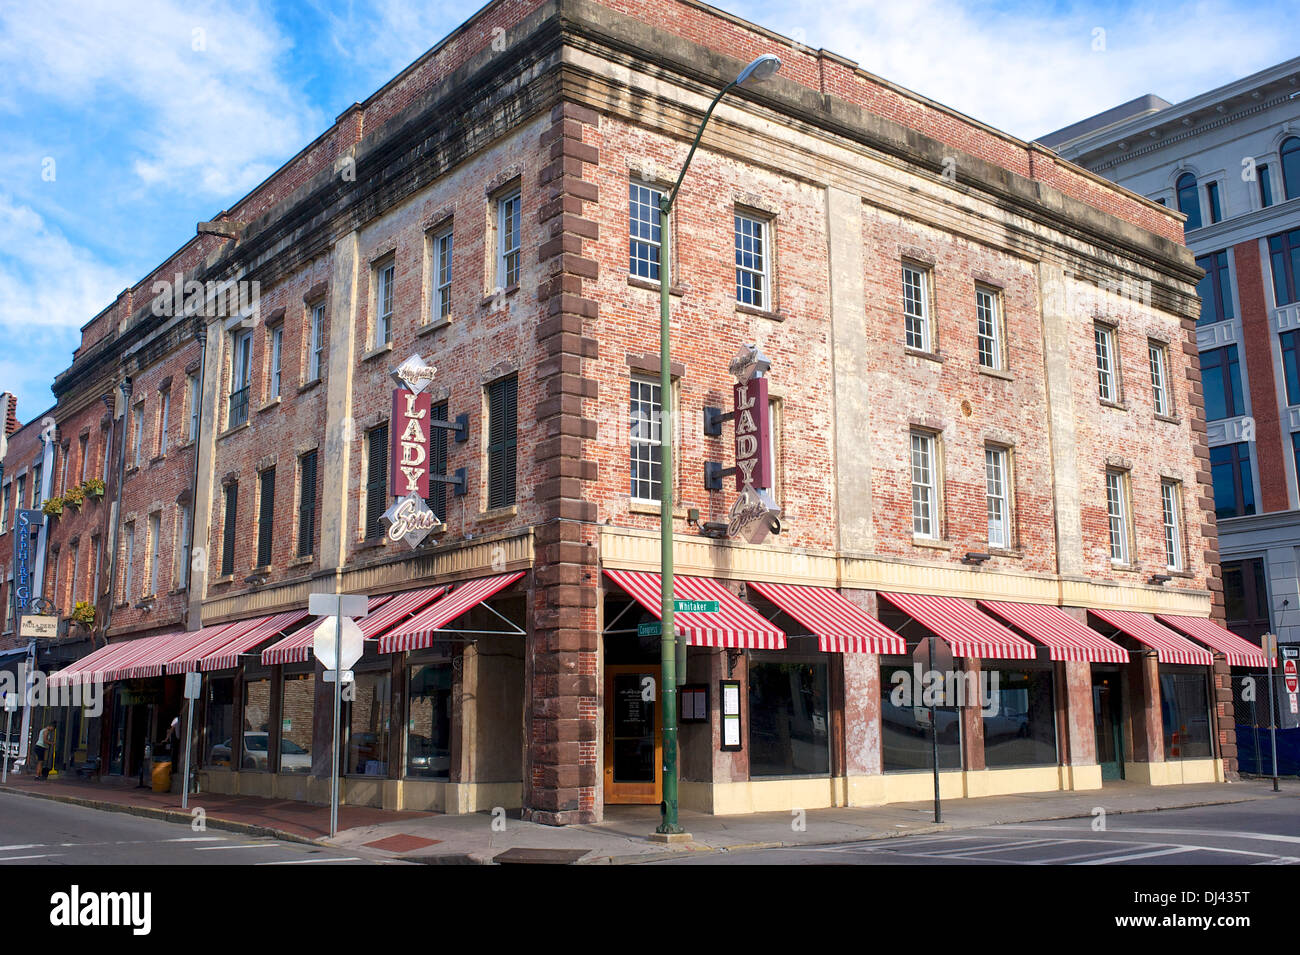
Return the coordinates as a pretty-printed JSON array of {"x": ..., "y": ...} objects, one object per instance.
[
  {"x": 43, "y": 832},
  {"x": 1266, "y": 832}
]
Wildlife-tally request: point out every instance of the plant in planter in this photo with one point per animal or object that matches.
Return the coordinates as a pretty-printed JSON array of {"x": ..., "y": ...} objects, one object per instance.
[
  {"x": 84, "y": 613},
  {"x": 94, "y": 488},
  {"x": 74, "y": 495},
  {"x": 53, "y": 507}
]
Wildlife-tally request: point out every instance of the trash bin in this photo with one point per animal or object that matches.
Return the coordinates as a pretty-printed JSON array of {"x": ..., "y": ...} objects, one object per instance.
[{"x": 162, "y": 777}]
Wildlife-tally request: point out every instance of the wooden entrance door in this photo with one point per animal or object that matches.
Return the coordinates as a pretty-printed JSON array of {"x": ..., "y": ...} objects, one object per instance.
[{"x": 633, "y": 735}]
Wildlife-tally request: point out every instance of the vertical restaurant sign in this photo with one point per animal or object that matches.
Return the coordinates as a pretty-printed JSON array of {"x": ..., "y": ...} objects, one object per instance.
[
  {"x": 753, "y": 444},
  {"x": 26, "y": 523},
  {"x": 409, "y": 434}
]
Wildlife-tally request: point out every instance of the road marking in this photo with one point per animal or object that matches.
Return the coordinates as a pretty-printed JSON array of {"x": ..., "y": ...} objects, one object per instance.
[
  {"x": 310, "y": 861},
  {"x": 33, "y": 845},
  {"x": 246, "y": 845},
  {"x": 199, "y": 838},
  {"x": 45, "y": 855},
  {"x": 1009, "y": 846},
  {"x": 1217, "y": 833},
  {"x": 1174, "y": 850}
]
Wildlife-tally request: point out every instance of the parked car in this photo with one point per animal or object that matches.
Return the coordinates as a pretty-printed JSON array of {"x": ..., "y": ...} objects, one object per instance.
[{"x": 293, "y": 758}]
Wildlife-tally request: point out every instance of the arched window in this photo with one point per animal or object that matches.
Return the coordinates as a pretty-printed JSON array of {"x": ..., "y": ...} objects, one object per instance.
[
  {"x": 1189, "y": 204},
  {"x": 1291, "y": 167}
]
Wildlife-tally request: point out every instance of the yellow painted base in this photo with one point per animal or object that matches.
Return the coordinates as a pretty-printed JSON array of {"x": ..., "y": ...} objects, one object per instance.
[
  {"x": 1175, "y": 772},
  {"x": 415, "y": 794}
]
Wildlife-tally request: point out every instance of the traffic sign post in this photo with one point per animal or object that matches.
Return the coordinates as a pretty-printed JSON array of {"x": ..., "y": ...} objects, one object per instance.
[
  {"x": 193, "y": 686},
  {"x": 11, "y": 704},
  {"x": 933, "y": 651},
  {"x": 348, "y": 644},
  {"x": 1270, "y": 641}
]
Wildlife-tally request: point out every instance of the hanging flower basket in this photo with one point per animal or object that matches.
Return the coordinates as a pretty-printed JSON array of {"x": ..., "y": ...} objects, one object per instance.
[
  {"x": 84, "y": 614},
  {"x": 94, "y": 488},
  {"x": 75, "y": 496},
  {"x": 53, "y": 507}
]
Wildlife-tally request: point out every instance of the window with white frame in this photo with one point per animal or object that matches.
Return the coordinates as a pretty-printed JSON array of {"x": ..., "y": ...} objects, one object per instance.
[
  {"x": 314, "y": 366},
  {"x": 1107, "y": 378},
  {"x": 441, "y": 300},
  {"x": 916, "y": 307},
  {"x": 164, "y": 414},
  {"x": 1170, "y": 520},
  {"x": 155, "y": 550},
  {"x": 644, "y": 229},
  {"x": 1117, "y": 512},
  {"x": 83, "y": 451},
  {"x": 753, "y": 262},
  {"x": 507, "y": 270},
  {"x": 1159, "y": 377},
  {"x": 193, "y": 397},
  {"x": 996, "y": 476},
  {"x": 644, "y": 420},
  {"x": 925, "y": 498},
  {"x": 988, "y": 314},
  {"x": 75, "y": 582},
  {"x": 137, "y": 442},
  {"x": 277, "y": 356},
  {"x": 384, "y": 273},
  {"x": 241, "y": 373},
  {"x": 183, "y": 534},
  {"x": 128, "y": 566}
]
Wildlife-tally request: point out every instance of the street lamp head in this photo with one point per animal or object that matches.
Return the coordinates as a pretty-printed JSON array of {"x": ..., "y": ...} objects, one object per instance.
[{"x": 763, "y": 68}]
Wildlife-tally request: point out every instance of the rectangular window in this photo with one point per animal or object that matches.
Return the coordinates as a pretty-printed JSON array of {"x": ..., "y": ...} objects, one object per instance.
[
  {"x": 441, "y": 303},
  {"x": 645, "y": 235},
  {"x": 155, "y": 550},
  {"x": 241, "y": 371},
  {"x": 646, "y": 449},
  {"x": 428, "y": 719},
  {"x": 297, "y": 704},
  {"x": 1117, "y": 512},
  {"x": 1215, "y": 289},
  {"x": 277, "y": 354},
  {"x": 437, "y": 499},
  {"x": 66, "y": 453},
  {"x": 502, "y": 398},
  {"x": 1169, "y": 512},
  {"x": 219, "y": 720},
  {"x": 366, "y": 724},
  {"x": 384, "y": 274},
  {"x": 1212, "y": 194},
  {"x": 753, "y": 270},
  {"x": 1291, "y": 365},
  {"x": 265, "y": 516},
  {"x": 925, "y": 521},
  {"x": 1221, "y": 380},
  {"x": 228, "y": 531},
  {"x": 789, "y": 717},
  {"x": 128, "y": 565},
  {"x": 307, "y": 504},
  {"x": 96, "y": 556},
  {"x": 906, "y": 743},
  {"x": 1265, "y": 186},
  {"x": 137, "y": 442},
  {"x": 376, "y": 480},
  {"x": 1245, "y": 598},
  {"x": 1185, "y": 715},
  {"x": 1159, "y": 378},
  {"x": 4, "y": 509},
  {"x": 508, "y": 240},
  {"x": 185, "y": 533},
  {"x": 255, "y": 747},
  {"x": 1284, "y": 261},
  {"x": 19, "y": 501},
  {"x": 916, "y": 308},
  {"x": 314, "y": 365},
  {"x": 988, "y": 312},
  {"x": 105, "y": 456},
  {"x": 75, "y": 582},
  {"x": 83, "y": 447},
  {"x": 1020, "y": 725},
  {"x": 1107, "y": 379},
  {"x": 193, "y": 397},
  {"x": 1233, "y": 479},
  {"x": 999, "y": 497},
  {"x": 164, "y": 416}
]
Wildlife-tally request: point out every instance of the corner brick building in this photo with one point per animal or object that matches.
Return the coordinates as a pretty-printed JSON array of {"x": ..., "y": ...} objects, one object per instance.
[{"x": 983, "y": 388}]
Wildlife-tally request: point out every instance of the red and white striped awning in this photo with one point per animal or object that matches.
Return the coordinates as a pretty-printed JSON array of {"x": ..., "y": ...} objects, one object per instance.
[
  {"x": 969, "y": 632},
  {"x": 1239, "y": 651},
  {"x": 1170, "y": 647},
  {"x": 736, "y": 624},
  {"x": 1065, "y": 637},
  {"x": 840, "y": 625},
  {"x": 422, "y": 630},
  {"x": 143, "y": 651},
  {"x": 297, "y": 647},
  {"x": 87, "y": 668},
  {"x": 169, "y": 647},
  {"x": 227, "y": 655}
]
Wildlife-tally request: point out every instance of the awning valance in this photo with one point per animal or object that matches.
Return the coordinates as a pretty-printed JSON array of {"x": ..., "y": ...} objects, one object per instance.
[
  {"x": 163, "y": 649},
  {"x": 736, "y": 624},
  {"x": 840, "y": 625},
  {"x": 1065, "y": 637},
  {"x": 423, "y": 629},
  {"x": 87, "y": 667},
  {"x": 1239, "y": 651},
  {"x": 1170, "y": 647},
  {"x": 969, "y": 632}
]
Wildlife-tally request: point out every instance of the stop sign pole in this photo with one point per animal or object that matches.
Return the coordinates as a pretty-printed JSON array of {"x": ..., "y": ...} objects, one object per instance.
[{"x": 341, "y": 607}]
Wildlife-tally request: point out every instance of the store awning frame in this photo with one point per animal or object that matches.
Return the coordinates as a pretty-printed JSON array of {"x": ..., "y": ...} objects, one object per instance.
[
  {"x": 839, "y": 625},
  {"x": 429, "y": 626}
]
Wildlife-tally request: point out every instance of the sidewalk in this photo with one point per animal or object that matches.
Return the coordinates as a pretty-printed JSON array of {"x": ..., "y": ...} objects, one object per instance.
[{"x": 622, "y": 837}]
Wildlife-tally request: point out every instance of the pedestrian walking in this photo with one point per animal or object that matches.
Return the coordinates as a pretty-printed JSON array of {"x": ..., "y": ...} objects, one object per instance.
[{"x": 174, "y": 744}]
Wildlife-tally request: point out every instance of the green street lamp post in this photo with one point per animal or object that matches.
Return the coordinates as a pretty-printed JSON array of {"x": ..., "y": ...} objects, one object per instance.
[{"x": 760, "y": 69}]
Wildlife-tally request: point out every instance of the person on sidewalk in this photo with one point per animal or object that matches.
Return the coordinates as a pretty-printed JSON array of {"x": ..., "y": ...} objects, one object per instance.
[
  {"x": 44, "y": 742},
  {"x": 174, "y": 744}
]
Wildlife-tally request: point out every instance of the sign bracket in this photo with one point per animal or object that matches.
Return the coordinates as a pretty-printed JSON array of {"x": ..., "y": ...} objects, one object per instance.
[
  {"x": 714, "y": 472},
  {"x": 457, "y": 480},
  {"x": 460, "y": 426},
  {"x": 713, "y": 418}
]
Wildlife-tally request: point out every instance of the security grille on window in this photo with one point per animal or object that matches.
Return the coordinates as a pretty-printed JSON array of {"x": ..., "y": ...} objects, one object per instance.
[
  {"x": 317, "y": 341},
  {"x": 442, "y": 275},
  {"x": 1107, "y": 387},
  {"x": 502, "y": 398},
  {"x": 645, "y": 235},
  {"x": 924, "y": 497},
  {"x": 307, "y": 504},
  {"x": 384, "y": 304},
  {"x": 646, "y": 449},
  {"x": 437, "y": 499},
  {"x": 241, "y": 376},
  {"x": 228, "y": 531},
  {"x": 1117, "y": 510},
  {"x": 916, "y": 308},
  {"x": 376, "y": 480},
  {"x": 999, "y": 504},
  {"x": 752, "y": 266},
  {"x": 265, "y": 517},
  {"x": 1159, "y": 378},
  {"x": 1169, "y": 511},
  {"x": 508, "y": 240},
  {"x": 989, "y": 331}
]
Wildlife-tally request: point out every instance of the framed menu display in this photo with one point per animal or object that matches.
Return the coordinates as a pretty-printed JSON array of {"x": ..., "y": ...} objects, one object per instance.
[{"x": 729, "y": 695}]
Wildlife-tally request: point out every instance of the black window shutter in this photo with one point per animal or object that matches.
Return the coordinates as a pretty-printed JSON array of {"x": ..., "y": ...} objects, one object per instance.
[
  {"x": 377, "y": 481},
  {"x": 228, "y": 536},
  {"x": 265, "y": 518},
  {"x": 502, "y": 398},
  {"x": 437, "y": 499},
  {"x": 307, "y": 506}
]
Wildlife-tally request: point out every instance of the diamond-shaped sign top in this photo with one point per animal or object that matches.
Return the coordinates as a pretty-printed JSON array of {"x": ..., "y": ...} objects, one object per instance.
[
  {"x": 414, "y": 373},
  {"x": 410, "y": 519}
]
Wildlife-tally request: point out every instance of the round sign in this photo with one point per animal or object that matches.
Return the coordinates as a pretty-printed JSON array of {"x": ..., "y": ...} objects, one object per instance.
[{"x": 1292, "y": 682}]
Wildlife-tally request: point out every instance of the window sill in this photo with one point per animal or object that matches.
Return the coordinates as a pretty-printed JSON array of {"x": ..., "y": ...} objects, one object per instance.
[
  {"x": 273, "y": 403},
  {"x": 777, "y": 316},
  {"x": 371, "y": 543},
  {"x": 428, "y": 328},
  {"x": 185, "y": 446},
  {"x": 227, "y": 579},
  {"x": 1126, "y": 568},
  {"x": 650, "y": 285},
  {"x": 928, "y": 355},
  {"x": 933, "y": 543},
  {"x": 133, "y": 469},
  {"x": 1172, "y": 419},
  {"x": 493, "y": 296},
  {"x": 653, "y": 508},
  {"x": 378, "y": 350},
  {"x": 308, "y": 385},
  {"x": 301, "y": 561},
  {"x": 497, "y": 513},
  {"x": 159, "y": 459},
  {"x": 1117, "y": 405},
  {"x": 996, "y": 373},
  {"x": 235, "y": 430},
  {"x": 1014, "y": 553}
]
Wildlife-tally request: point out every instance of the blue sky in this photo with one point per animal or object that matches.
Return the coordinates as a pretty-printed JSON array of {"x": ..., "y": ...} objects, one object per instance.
[{"x": 125, "y": 122}]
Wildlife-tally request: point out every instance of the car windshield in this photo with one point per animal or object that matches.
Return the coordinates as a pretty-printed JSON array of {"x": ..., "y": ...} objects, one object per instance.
[
  {"x": 255, "y": 741},
  {"x": 291, "y": 748}
]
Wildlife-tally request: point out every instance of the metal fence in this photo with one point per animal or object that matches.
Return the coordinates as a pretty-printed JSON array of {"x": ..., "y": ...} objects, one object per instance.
[{"x": 1250, "y": 699}]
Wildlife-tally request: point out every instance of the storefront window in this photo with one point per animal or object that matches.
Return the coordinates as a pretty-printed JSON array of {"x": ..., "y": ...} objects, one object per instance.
[
  {"x": 117, "y": 742},
  {"x": 1019, "y": 718},
  {"x": 257, "y": 728},
  {"x": 297, "y": 709},
  {"x": 788, "y": 718},
  {"x": 905, "y": 725},
  {"x": 428, "y": 724},
  {"x": 1185, "y": 711},
  {"x": 219, "y": 728},
  {"x": 368, "y": 725}
]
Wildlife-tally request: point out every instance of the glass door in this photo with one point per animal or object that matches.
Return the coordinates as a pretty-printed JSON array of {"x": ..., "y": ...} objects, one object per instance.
[
  {"x": 1106, "y": 716},
  {"x": 633, "y": 735}
]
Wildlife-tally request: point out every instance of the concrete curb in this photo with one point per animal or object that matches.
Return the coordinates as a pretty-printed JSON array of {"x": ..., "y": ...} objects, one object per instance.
[{"x": 179, "y": 817}]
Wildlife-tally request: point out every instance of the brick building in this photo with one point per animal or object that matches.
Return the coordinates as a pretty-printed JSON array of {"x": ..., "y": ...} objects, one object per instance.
[{"x": 962, "y": 330}]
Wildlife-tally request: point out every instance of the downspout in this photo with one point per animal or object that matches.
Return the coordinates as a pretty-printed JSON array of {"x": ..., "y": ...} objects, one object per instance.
[{"x": 115, "y": 516}]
